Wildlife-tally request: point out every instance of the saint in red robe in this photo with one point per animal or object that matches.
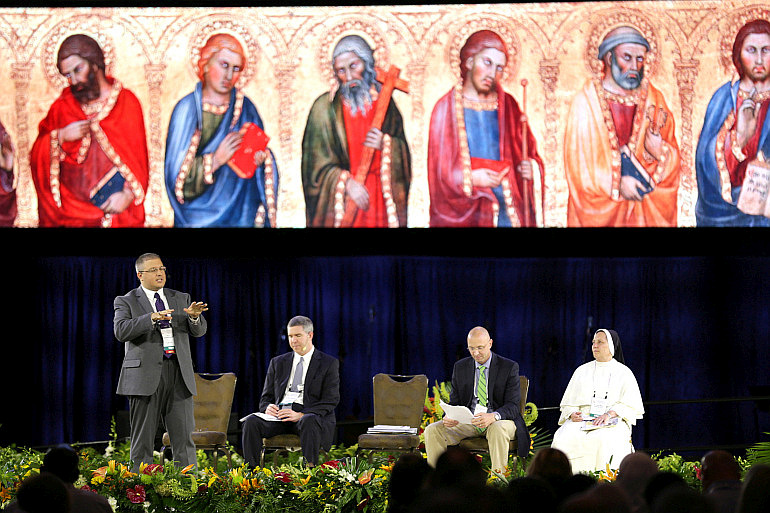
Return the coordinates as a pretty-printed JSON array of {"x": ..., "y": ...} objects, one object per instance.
[
  {"x": 453, "y": 202},
  {"x": 67, "y": 175}
]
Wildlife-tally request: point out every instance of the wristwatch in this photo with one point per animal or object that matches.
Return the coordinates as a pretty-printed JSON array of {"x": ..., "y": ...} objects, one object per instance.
[{"x": 497, "y": 416}]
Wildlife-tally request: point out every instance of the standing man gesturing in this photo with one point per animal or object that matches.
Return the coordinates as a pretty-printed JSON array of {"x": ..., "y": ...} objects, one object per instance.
[{"x": 157, "y": 373}]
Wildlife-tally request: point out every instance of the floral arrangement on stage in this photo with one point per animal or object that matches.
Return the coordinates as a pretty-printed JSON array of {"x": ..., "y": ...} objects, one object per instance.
[{"x": 345, "y": 485}]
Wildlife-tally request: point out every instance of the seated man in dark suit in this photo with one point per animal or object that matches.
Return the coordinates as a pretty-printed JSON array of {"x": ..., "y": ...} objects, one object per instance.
[
  {"x": 488, "y": 385},
  {"x": 301, "y": 390}
]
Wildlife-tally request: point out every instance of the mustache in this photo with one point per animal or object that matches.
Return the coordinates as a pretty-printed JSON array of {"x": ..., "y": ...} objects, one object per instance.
[
  {"x": 85, "y": 92},
  {"x": 359, "y": 96}
]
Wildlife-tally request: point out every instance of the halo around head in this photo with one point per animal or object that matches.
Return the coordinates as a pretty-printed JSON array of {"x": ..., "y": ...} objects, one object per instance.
[
  {"x": 503, "y": 30},
  {"x": 728, "y": 32},
  {"x": 89, "y": 27},
  {"x": 334, "y": 34},
  {"x": 239, "y": 32},
  {"x": 604, "y": 23}
]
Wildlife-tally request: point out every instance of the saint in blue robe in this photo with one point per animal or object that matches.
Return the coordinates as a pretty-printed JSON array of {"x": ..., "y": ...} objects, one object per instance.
[
  {"x": 231, "y": 201},
  {"x": 711, "y": 209},
  {"x": 483, "y": 131}
]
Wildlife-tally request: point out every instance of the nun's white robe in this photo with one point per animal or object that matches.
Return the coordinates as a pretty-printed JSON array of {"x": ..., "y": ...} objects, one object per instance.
[{"x": 593, "y": 450}]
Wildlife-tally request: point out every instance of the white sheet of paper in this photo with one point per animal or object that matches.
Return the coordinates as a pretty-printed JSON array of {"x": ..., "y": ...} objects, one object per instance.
[
  {"x": 265, "y": 416},
  {"x": 459, "y": 413}
]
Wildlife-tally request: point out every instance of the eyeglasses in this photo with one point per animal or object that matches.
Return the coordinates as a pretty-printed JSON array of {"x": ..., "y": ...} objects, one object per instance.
[{"x": 154, "y": 270}]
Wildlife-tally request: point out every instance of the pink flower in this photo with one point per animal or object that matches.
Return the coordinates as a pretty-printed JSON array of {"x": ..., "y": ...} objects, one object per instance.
[
  {"x": 283, "y": 477},
  {"x": 152, "y": 468},
  {"x": 136, "y": 494}
]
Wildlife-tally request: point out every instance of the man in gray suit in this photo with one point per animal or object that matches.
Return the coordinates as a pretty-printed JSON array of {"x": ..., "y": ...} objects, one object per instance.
[{"x": 157, "y": 374}]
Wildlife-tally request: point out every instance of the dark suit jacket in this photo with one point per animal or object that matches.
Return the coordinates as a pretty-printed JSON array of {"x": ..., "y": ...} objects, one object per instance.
[
  {"x": 140, "y": 373},
  {"x": 503, "y": 392},
  {"x": 321, "y": 393}
]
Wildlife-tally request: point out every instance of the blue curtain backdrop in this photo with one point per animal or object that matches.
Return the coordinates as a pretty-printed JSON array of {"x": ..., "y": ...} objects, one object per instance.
[
  {"x": 693, "y": 317},
  {"x": 692, "y": 326}
]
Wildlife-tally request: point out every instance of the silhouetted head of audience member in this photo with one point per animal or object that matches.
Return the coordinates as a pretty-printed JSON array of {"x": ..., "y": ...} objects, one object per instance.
[
  {"x": 43, "y": 493},
  {"x": 755, "y": 494},
  {"x": 602, "y": 498},
  {"x": 62, "y": 461},
  {"x": 681, "y": 499},
  {"x": 552, "y": 465},
  {"x": 531, "y": 493},
  {"x": 634, "y": 472},
  {"x": 407, "y": 478},
  {"x": 717, "y": 466},
  {"x": 457, "y": 467},
  {"x": 473, "y": 499},
  {"x": 659, "y": 483},
  {"x": 575, "y": 485}
]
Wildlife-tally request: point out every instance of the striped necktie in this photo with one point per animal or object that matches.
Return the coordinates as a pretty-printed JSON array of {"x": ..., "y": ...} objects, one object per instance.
[{"x": 481, "y": 390}]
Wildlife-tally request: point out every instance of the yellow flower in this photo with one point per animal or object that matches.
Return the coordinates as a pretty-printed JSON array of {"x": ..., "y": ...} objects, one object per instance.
[
  {"x": 387, "y": 468},
  {"x": 608, "y": 474},
  {"x": 366, "y": 476},
  {"x": 5, "y": 494},
  {"x": 188, "y": 468}
]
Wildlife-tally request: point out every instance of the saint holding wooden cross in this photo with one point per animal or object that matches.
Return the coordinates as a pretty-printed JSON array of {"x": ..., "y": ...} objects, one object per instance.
[{"x": 356, "y": 165}]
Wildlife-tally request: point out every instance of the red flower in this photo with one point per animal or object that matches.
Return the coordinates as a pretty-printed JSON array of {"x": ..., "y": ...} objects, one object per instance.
[
  {"x": 152, "y": 468},
  {"x": 698, "y": 474},
  {"x": 331, "y": 463},
  {"x": 361, "y": 505},
  {"x": 136, "y": 494},
  {"x": 283, "y": 477}
]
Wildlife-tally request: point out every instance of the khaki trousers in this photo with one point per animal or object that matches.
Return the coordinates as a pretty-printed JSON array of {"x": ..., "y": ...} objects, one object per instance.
[{"x": 498, "y": 435}]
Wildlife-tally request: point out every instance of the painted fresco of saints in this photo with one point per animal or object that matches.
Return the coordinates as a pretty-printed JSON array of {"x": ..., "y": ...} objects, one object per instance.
[
  {"x": 7, "y": 191},
  {"x": 339, "y": 127},
  {"x": 621, "y": 156},
  {"x": 735, "y": 132},
  {"x": 89, "y": 162},
  {"x": 477, "y": 173},
  {"x": 204, "y": 134}
]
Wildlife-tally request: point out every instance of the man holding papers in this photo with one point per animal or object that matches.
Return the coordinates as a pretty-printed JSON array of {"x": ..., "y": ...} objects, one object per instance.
[
  {"x": 486, "y": 388},
  {"x": 301, "y": 390}
]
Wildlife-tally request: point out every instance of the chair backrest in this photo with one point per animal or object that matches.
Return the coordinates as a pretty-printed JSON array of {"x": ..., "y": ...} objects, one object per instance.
[
  {"x": 523, "y": 391},
  {"x": 214, "y": 401},
  {"x": 399, "y": 400}
]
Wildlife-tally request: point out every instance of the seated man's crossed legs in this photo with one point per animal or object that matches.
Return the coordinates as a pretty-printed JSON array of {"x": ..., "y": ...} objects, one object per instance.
[{"x": 498, "y": 435}]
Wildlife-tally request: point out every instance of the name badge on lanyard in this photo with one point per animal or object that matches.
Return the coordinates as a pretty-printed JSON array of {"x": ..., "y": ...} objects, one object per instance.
[
  {"x": 168, "y": 338},
  {"x": 598, "y": 406}
]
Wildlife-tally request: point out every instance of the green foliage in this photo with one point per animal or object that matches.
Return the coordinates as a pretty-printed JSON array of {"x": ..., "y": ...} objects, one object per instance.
[
  {"x": 530, "y": 413},
  {"x": 759, "y": 453},
  {"x": 689, "y": 470}
]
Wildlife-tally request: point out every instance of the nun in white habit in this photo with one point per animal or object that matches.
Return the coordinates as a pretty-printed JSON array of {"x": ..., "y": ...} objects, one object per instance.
[{"x": 601, "y": 403}]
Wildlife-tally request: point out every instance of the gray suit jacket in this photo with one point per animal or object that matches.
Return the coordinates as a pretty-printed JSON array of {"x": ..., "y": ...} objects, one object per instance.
[{"x": 140, "y": 373}]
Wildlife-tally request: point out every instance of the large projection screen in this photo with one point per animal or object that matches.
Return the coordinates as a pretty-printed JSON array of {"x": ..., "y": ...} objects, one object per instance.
[{"x": 700, "y": 173}]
